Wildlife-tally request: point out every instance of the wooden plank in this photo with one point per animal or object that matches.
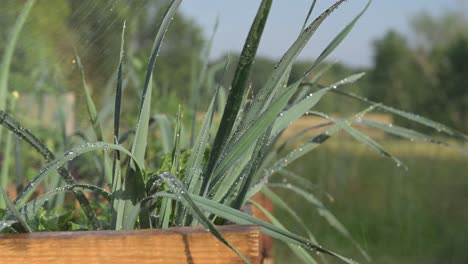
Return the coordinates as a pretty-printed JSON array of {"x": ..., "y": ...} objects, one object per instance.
[{"x": 173, "y": 245}]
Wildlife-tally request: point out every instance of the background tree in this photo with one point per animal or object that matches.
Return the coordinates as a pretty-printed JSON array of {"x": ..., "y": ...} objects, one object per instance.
[
  {"x": 93, "y": 29},
  {"x": 452, "y": 104},
  {"x": 425, "y": 74}
]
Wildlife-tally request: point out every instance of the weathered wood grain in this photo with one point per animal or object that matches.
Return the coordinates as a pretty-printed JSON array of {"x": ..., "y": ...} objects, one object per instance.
[{"x": 173, "y": 245}]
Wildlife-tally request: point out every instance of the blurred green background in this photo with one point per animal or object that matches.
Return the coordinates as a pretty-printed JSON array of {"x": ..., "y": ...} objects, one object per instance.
[{"x": 398, "y": 216}]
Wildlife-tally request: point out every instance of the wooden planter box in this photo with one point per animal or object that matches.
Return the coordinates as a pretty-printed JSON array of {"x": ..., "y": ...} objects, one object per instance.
[{"x": 173, "y": 245}]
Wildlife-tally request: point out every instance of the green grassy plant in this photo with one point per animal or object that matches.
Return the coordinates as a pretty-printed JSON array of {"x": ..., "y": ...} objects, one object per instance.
[{"x": 209, "y": 180}]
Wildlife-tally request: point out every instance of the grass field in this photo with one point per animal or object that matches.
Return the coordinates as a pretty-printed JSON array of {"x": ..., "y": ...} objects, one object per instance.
[{"x": 398, "y": 216}]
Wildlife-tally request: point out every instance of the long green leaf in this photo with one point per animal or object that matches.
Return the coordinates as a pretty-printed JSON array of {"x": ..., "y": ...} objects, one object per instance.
[
  {"x": 312, "y": 6},
  {"x": 238, "y": 88},
  {"x": 118, "y": 90},
  {"x": 410, "y": 134},
  {"x": 92, "y": 113},
  {"x": 339, "y": 38},
  {"x": 117, "y": 201}
]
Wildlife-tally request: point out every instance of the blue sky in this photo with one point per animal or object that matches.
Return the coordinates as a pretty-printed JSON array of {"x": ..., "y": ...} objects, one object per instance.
[{"x": 287, "y": 16}]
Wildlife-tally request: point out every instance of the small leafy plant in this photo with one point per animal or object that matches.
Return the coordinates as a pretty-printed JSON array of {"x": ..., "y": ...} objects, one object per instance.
[{"x": 209, "y": 181}]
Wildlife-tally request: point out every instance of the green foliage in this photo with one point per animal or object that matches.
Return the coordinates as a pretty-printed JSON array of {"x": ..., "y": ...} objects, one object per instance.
[
  {"x": 208, "y": 181},
  {"x": 451, "y": 103},
  {"x": 428, "y": 76},
  {"x": 395, "y": 71}
]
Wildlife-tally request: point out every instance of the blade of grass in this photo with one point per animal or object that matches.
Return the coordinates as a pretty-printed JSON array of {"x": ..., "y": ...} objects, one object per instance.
[
  {"x": 338, "y": 39},
  {"x": 117, "y": 201},
  {"x": 94, "y": 119},
  {"x": 312, "y": 6},
  {"x": 410, "y": 134},
  {"x": 119, "y": 87},
  {"x": 92, "y": 113},
  {"x": 238, "y": 88}
]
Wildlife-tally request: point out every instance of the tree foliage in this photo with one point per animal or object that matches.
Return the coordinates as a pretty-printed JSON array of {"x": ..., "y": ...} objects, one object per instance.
[{"x": 426, "y": 73}]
